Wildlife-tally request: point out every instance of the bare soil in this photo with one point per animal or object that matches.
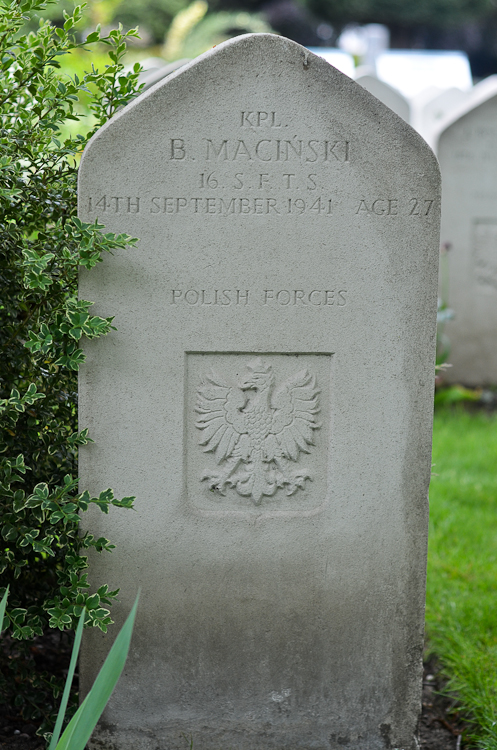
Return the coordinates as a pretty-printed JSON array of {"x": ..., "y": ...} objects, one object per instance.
[{"x": 440, "y": 726}]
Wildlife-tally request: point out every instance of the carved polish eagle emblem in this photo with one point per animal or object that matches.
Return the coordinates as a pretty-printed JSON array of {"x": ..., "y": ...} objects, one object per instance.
[{"x": 257, "y": 431}]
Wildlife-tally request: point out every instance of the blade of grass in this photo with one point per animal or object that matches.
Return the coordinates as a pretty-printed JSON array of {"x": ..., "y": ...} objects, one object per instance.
[
  {"x": 82, "y": 724},
  {"x": 3, "y": 605},
  {"x": 67, "y": 686}
]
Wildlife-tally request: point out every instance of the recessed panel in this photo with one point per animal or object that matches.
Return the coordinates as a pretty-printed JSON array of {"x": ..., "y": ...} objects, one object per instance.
[{"x": 257, "y": 429}]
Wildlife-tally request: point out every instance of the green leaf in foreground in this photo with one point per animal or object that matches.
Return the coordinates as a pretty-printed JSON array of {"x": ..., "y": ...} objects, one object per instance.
[
  {"x": 67, "y": 687},
  {"x": 3, "y": 605},
  {"x": 79, "y": 729}
]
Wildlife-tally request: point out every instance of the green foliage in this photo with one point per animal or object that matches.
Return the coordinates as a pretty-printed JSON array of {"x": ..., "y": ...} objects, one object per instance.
[
  {"x": 154, "y": 17},
  {"x": 461, "y": 614},
  {"x": 453, "y": 394},
  {"x": 82, "y": 724},
  {"x": 43, "y": 244},
  {"x": 432, "y": 13},
  {"x": 192, "y": 32},
  {"x": 68, "y": 684}
]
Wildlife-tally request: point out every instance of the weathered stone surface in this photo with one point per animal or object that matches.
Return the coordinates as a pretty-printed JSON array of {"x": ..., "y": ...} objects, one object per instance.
[
  {"x": 155, "y": 74},
  {"x": 284, "y": 293},
  {"x": 468, "y": 158}
]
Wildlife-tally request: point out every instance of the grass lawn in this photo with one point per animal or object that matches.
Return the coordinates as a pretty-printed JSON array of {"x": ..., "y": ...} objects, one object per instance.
[{"x": 461, "y": 609}]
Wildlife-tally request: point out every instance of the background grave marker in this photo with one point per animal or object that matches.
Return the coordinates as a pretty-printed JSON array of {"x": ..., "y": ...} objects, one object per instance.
[
  {"x": 466, "y": 147},
  {"x": 386, "y": 94}
]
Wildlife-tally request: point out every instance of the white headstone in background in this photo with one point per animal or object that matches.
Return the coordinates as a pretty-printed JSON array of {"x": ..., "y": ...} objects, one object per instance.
[
  {"x": 386, "y": 94},
  {"x": 431, "y": 107},
  {"x": 483, "y": 88},
  {"x": 466, "y": 145},
  {"x": 365, "y": 42},
  {"x": 411, "y": 71},
  {"x": 342, "y": 61},
  {"x": 377, "y": 38},
  {"x": 268, "y": 397}
]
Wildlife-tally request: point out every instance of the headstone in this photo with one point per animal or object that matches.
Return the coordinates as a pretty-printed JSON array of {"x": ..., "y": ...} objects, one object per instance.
[
  {"x": 377, "y": 38},
  {"x": 431, "y": 107},
  {"x": 365, "y": 43},
  {"x": 466, "y": 144},
  {"x": 352, "y": 40},
  {"x": 268, "y": 397},
  {"x": 385, "y": 93},
  {"x": 159, "y": 69},
  {"x": 411, "y": 71},
  {"x": 340, "y": 60}
]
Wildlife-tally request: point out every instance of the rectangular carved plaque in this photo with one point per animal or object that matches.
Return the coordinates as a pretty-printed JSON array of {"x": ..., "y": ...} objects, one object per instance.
[{"x": 258, "y": 430}]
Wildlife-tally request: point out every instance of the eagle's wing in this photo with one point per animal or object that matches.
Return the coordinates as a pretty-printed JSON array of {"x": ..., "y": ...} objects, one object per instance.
[
  {"x": 220, "y": 419},
  {"x": 296, "y": 404}
]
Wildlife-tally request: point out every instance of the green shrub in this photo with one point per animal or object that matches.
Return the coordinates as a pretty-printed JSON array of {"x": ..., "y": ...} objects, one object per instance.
[{"x": 43, "y": 244}]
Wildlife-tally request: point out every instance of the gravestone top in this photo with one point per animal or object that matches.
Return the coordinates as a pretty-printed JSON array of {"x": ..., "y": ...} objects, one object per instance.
[
  {"x": 159, "y": 69},
  {"x": 267, "y": 395},
  {"x": 377, "y": 38},
  {"x": 478, "y": 95},
  {"x": 341, "y": 60}
]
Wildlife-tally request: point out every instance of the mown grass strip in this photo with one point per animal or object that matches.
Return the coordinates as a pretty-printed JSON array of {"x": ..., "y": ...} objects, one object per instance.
[{"x": 461, "y": 614}]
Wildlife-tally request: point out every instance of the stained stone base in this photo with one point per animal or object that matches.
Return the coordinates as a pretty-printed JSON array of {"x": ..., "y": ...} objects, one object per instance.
[{"x": 234, "y": 737}]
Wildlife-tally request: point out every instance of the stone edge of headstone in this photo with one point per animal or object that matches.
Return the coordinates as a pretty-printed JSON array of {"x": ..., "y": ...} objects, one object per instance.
[
  {"x": 158, "y": 74},
  {"x": 326, "y": 68}
]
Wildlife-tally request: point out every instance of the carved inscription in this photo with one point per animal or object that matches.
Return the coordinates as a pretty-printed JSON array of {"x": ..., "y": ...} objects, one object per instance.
[
  {"x": 241, "y": 206},
  {"x": 260, "y": 173},
  {"x": 223, "y": 297},
  {"x": 260, "y": 181},
  {"x": 311, "y": 205},
  {"x": 476, "y": 145},
  {"x": 256, "y": 429},
  {"x": 395, "y": 207},
  {"x": 260, "y": 144},
  {"x": 114, "y": 204},
  {"x": 267, "y": 297},
  {"x": 269, "y": 150},
  {"x": 259, "y": 119}
]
